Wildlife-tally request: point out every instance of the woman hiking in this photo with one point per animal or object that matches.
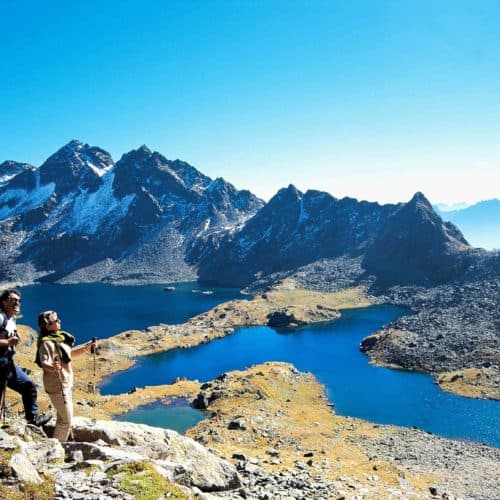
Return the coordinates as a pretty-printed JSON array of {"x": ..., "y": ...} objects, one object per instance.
[{"x": 54, "y": 352}]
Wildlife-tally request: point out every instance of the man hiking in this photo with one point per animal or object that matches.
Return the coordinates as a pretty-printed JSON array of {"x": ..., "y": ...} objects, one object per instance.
[{"x": 12, "y": 376}]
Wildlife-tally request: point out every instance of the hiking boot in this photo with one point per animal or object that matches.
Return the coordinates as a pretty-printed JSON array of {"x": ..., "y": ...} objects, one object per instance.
[{"x": 40, "y": 419}]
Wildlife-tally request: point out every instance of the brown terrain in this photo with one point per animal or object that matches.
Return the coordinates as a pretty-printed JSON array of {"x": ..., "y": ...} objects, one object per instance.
[{"x": 276, "y": 417}]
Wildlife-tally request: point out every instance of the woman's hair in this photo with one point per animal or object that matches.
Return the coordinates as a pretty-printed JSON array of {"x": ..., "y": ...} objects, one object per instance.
[{"x": 44, "y": 319}]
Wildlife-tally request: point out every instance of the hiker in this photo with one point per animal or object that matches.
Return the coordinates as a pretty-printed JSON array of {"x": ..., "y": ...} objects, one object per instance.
[
  {"x": 12, "y": 376},
  {"x": 54, "y": 352}
]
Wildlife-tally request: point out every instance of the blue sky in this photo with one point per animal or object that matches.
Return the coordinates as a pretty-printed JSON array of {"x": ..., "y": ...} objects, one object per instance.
[{"x": 370, "y": 99}]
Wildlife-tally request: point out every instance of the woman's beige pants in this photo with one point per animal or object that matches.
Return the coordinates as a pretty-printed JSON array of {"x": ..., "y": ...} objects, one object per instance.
[{"x": 64, "y": 408}]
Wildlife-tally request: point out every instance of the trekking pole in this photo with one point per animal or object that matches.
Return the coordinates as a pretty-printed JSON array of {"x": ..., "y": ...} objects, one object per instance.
[
  {"x": 3, "y": 406},
  {"x": 93, "y": 352}
]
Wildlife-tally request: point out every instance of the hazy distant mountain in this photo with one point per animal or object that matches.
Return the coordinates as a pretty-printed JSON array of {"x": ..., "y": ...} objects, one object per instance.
[{"x": 480, "y": 223}]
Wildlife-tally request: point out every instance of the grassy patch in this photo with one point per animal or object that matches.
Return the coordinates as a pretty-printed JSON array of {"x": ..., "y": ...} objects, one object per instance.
[
  {"x": 4, "y": 463},
  {"x": 28, "y": 491},
  {"x": 42, "y": 491},
  {"x": 21, "y": 490},
  {"x": 141, "y": 480}
]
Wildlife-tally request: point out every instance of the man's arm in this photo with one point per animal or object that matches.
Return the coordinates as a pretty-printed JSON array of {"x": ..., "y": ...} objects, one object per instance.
[{"x": 11, "y": 341}]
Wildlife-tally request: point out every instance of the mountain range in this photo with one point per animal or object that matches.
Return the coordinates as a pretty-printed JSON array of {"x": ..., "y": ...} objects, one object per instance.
[{"x": 82, "y": 217}]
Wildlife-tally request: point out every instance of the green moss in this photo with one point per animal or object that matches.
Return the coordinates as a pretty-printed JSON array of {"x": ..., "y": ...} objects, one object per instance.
[{"x": 141, "y": 480}]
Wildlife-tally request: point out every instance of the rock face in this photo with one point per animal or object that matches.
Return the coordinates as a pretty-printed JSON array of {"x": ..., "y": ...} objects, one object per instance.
[
  {"x": 414, "y": 246},
  {"x": 80, "y": 217},
  {"x": 199, "y": 467},
  {"x": 9, "y": 169},
  {"x": 105, "y": 444},
  {"x": 395, "y": 244}
]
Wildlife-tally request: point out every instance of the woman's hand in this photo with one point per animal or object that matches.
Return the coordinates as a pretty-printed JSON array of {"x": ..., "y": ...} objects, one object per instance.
[{"x": 57, "y": 366}]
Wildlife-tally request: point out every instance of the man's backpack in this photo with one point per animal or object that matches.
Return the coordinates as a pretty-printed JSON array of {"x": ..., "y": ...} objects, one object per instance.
[{"x": 4, "y": 334}]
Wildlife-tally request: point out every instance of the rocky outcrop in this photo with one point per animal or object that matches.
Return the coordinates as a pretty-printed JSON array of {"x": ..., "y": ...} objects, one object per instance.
[
  {"x": 103, "y": 444},
  {"x": 275, "y": 424},
  {"x": 452, "y": 327},
  {"x": 282, "y": 318},
  {"x": 9, "y": 169}
]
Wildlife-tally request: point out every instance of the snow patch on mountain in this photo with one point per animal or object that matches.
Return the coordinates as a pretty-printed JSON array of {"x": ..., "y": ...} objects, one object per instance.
[
  {"x": 91, "y": 209},
  {"x": 6, "y": 178},
  {"x": 17, "y": 201},
  {"x": 96, "y": 169}
]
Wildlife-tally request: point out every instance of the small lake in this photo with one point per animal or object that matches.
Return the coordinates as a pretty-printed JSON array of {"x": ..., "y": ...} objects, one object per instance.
[
  {"x": 331, "y": 352},
  {"x": 177, "y": 415},
  {"x": 97, "y": 310}
]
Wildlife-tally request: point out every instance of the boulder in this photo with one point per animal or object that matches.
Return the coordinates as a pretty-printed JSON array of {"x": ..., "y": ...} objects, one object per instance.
[
  {"x": 23, "y": 470},
  {"x": 282, "y": 318},
  {"x": 202, "y": 468}
]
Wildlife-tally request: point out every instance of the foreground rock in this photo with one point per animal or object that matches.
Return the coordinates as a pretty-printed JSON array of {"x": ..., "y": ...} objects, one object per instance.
[
  {"x": 187, "y": 461},
  {"x": 70, "y": 471},
  {"x": 272, "y": 434}
]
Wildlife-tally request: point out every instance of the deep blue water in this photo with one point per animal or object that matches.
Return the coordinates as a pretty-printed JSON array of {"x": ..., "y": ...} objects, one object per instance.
[
  {"x": 331, "y": 352},
  {"x": 98, "y": 310}
]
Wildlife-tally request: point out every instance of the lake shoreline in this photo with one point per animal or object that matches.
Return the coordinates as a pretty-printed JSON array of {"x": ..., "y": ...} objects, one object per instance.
[{"x": 277, "y": 419}]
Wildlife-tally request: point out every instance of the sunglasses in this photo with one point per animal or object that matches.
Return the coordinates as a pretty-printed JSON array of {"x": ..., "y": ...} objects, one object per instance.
[
  {"x": 14, "y": 300},
  {"x": 54, "y": 321}
]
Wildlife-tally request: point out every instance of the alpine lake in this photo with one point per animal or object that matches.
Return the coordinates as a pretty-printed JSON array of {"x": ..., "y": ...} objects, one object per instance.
[{"x": 329, "y": 350}]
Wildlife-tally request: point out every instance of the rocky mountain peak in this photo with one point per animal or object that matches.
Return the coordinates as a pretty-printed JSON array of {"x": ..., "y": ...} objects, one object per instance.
[
  {"x": 136, "y": 157},
  {"x": 9, "y": 169},
  {"x": 142, "y": 168},
  {"x": 76, "y": 164},
  {"x": 420, "y": 202},
  {"x": 285, "y": 196},
  {"x": 414, "y": 246},
  {"x": 144, "y": 149}
]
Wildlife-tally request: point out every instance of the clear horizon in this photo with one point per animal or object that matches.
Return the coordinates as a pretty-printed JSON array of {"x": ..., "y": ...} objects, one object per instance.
[{"x": 374, "y": 101}]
